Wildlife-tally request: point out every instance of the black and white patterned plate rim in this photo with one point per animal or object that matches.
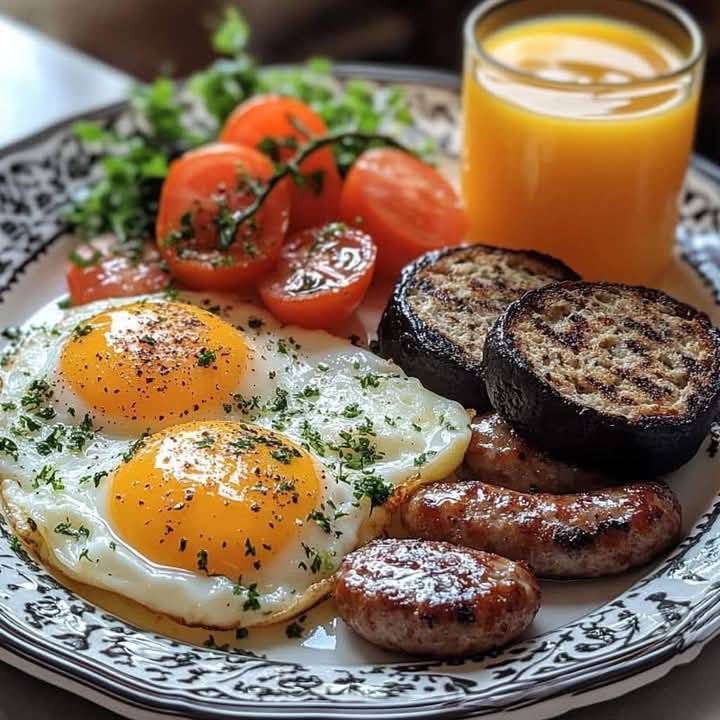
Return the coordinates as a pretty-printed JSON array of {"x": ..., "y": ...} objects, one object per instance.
[{"x": 655, "y": 624}]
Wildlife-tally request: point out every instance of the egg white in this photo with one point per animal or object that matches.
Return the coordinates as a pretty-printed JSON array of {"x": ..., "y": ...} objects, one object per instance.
[{"x": 330, "y": 388}]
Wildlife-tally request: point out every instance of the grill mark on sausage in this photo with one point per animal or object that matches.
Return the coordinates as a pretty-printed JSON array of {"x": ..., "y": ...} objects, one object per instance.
[
  {"x": 587, "y": 534},
  {"x": 575, "y": 538}
]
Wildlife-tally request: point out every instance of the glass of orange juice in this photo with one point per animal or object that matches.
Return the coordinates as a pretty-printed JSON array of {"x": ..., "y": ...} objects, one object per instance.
[{"x": 578, "y": 123}]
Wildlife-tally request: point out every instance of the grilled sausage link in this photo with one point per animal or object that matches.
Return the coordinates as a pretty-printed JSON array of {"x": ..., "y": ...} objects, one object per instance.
[
  {"x": 563, "y": 536},
  {"x": 433, "y": 598},
  {"x": 499, "y": 456}
]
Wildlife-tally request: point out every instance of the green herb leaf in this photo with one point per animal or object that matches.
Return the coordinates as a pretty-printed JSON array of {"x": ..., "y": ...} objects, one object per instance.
[
  {"x": 66, "y": 528},
  {"x": 205, "y": 358},
  {"x": 372, "y": 486},
  {"x": 8, "y": 447}
]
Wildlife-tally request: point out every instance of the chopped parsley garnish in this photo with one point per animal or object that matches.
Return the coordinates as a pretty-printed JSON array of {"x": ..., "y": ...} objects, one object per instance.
[
  {"x": 25, "y": 425},
  {"x": 372, "y": 486},
  {"x": 8, "y": 406},
  {"x": 112, "y": 545},
  {"x": 85, "y": 555},
  {"x": 444, "y": 422},
  {"x": 282, "y": 346},
  {"x": 79, "y": 436},
  {"x": 134, "y": 447},
  {"x": 11, "y": 333},
  {"x": 309, "y": 392},
  {"x": 285, "y": 454},
  {"x": 366, "y": 427},
  {"x": 321, "y": 519},
  {"x": 243, "y": 444},
  {"x": 202, "y": 560},
  {"x": 81, "y": 330},
  {"x": 246, "y": 405},
  {"x": 96, "y": 478},
  {"x": 357, "y": 452},
  {"x": 390, "y": 421},
  {"x": 205, "y": 358},
  {"x": 205, "y": 442},
  {"x": 46, "y": 413},
  {"x": 36, "y": 395},
  {"x": 48, "y": 476},
  {"x": 313, "y": 439},
  {"x": 66, "y": 528},
  {"x": 227, "y": 228},
  {"x": 294, "y": 630},
  {"x": 53, "y": 442},
  {"x": 371, "y": 380},
  {"x": 321, "y": 561},
  {"x": 352, "y": 411},
  {"x": 422, "y": 458},
  {"x": 148, "y": 340},
  {"x": 416, "y": 427},
  {"x": 252, "y": 600},
  {"x": 280, "y": 403}
]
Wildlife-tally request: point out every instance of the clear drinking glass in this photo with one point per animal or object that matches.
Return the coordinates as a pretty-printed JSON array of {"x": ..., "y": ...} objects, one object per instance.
[{"x": 589, "y": 171}]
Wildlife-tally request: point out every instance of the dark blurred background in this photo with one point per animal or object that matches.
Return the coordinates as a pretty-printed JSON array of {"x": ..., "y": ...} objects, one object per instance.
[{"x": 143, "y": 36}]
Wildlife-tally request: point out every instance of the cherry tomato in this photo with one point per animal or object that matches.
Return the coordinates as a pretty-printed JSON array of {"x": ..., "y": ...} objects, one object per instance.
[
  {"x": 404, "y": 204},
  {"x": 322, "y": 276},
  {"x": 278, "y": 126},
  {"x": 203, "y": 247},
  {"x": 102, "y": 269}
]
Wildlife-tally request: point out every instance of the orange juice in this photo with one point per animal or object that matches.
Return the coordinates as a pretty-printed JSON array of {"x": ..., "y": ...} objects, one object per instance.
[{"x": 577, "y": 133}]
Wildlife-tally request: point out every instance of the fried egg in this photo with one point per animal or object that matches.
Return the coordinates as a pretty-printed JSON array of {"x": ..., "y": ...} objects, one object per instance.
[{"x": 199, "y": 458}]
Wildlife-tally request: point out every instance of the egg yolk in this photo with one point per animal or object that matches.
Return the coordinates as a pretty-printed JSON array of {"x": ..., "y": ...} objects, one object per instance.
[
  {"x": 152, "y": 364},
  {"x": 221, "y": 498}
]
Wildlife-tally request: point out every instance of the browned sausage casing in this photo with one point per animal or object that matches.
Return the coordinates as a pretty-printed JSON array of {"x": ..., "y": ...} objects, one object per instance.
[
  {"x": 498, "y": 455},
  {"x": 434, "y": 598},
  {"x": 565, "y": 536}
]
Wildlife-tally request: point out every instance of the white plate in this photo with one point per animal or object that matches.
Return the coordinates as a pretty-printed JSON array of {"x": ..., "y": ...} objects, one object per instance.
[{"x": 591, "y": 640}]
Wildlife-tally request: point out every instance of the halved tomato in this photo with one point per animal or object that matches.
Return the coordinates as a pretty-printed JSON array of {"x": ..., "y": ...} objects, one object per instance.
[
  {"x": 102, "y": 269},
  {"x": 278, "y": 126},
  {"x": 203, "y": 245},
  {"x": 404, "y": 204},
  {"x": 322, "y": 276}
]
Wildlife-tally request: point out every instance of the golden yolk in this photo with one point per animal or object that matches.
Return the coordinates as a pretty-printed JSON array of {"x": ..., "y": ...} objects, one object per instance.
[
  {"x": 220, "y": 498},
  {"x": 154, "y": 363}
]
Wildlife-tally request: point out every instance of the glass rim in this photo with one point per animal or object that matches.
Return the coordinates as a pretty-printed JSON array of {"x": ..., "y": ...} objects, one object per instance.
[{"x": 678, "y": 14}]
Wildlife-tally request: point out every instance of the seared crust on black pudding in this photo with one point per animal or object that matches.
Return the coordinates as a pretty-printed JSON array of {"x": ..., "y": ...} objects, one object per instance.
[
  {"x": 499, "y": 456},
  {"x": 613, "y": 376},
  {"x": 433, "y": 598},
  {"x": 564, "y": 536},
  {"x": 444, "y": 304}
]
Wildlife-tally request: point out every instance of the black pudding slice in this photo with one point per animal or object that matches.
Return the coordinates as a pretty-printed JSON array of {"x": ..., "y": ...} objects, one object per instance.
[
  {"x": 614, "y": 376},
  {"x": 445, "y": 303}
]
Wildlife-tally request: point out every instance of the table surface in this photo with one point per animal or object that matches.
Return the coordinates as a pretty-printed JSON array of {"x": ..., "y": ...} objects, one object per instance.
[{"x": 47, "y": 82}]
